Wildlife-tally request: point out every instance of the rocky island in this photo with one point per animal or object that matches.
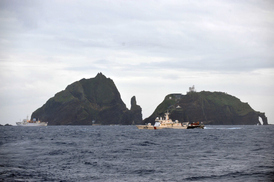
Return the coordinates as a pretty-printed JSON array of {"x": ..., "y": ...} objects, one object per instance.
[
  {"x": 211, "y": 108},
  {"x": 88, "y": 102},
  {"x": 97, "y": 101}
]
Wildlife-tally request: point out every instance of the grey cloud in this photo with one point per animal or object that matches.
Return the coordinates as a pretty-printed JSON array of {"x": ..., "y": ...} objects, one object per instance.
[{"x": 194, "y": 35}]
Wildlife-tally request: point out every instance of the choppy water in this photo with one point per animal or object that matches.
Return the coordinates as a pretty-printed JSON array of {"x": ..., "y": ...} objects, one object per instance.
[{"x": 124, "y": 153}]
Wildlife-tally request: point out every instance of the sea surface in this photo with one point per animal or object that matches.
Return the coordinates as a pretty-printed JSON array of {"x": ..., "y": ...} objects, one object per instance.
[{"x": 124, "y": 153}]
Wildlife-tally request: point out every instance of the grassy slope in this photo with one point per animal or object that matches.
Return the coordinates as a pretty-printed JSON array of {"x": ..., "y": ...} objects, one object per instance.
[{"x": 221, "y": 100}]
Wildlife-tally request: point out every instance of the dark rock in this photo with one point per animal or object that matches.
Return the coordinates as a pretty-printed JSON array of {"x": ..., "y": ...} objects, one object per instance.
[
  {"x": 264, "y": 118},
  {"x": 215, "y": 108},
  {"x": 136, "y": 112},
  {"x": 86, "y": 102}
]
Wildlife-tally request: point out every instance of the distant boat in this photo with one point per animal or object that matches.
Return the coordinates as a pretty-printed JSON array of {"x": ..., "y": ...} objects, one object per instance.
[{"x": 33, "y": 122}]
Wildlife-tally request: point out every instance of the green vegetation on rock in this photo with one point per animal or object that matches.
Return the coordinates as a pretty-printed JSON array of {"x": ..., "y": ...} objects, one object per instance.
[
  {"x": 97, "y": 101},
  {"x": 86, "y": 102},
  {"x": 208, "y": 107}
]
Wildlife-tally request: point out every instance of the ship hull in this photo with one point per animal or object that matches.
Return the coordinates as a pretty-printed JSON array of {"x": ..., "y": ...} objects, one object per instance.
[
  {"x": 31, "y": 124},
  {"x": 169, "y": 127},
  {"x": 145, "y": 127},
  {"x": 196, "y": 127},
  {"x": 159, "y": 127}
]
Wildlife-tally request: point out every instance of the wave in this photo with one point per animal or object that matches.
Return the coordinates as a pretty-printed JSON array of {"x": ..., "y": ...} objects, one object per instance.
[
  {"x": 236, "y": 176},
  {"x": 213, "y": 128}
]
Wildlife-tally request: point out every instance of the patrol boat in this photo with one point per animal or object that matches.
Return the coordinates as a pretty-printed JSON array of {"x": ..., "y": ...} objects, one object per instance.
[
  {"x": 33, "y": 122},
  {"x": 164, "y": 123}
]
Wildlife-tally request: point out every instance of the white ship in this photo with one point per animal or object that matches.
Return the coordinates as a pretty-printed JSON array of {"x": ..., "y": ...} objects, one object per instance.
[
  {"x": 162, "y": 123},
  {"x": 33, "y": 122}
]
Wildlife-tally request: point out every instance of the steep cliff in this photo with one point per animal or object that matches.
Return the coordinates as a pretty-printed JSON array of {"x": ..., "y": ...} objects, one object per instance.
[
  {"x": 86, "y": 102},
  {"x": 216, "y": 108},
  {"x": 136, "y": 111}
]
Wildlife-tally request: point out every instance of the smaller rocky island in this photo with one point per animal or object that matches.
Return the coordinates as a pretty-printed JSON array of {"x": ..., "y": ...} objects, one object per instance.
[{"x": 211, "y": 108}]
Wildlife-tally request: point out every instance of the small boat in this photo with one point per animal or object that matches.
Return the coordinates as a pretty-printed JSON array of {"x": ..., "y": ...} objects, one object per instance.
[
  {"x": 196, "y": 125},
  {"x": 164, "y": 123},
  {"x": 33, "y": 122}
]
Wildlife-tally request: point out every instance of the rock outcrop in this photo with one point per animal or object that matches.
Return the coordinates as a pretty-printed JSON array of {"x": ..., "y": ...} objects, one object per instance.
[
  {"x": 87, "y": 102},
  {"x": 264, "y": 118},
  {"x": 215, "y": 108},
  {"x": 136, "y": 111}
]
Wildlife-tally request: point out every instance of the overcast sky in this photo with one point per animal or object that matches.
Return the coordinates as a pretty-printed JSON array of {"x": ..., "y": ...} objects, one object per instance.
[{"x": 150, "y": 48}]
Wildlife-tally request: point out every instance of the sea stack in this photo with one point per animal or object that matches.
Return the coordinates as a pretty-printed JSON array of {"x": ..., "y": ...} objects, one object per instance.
[{"x": 136, "y": 111}]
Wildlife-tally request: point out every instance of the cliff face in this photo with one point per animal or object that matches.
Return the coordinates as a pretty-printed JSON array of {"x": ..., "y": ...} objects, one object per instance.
[
  {"x": 136, "y": 111},
  {"x": 86, "y": 102},
  {"x": 215, "y": 108}
]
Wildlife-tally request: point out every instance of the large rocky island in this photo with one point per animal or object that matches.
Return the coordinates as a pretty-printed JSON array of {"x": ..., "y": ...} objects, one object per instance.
[
  {"x": 87, "y": 102},
  {"x": 214, "y": 108}
]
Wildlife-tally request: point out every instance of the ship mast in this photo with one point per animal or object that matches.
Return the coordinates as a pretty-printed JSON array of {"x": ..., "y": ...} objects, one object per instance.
[{"x": 167, "y": 117}]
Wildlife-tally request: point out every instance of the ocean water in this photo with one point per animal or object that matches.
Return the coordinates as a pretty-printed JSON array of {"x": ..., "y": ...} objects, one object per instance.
[{"x": 124, "y": 153}]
